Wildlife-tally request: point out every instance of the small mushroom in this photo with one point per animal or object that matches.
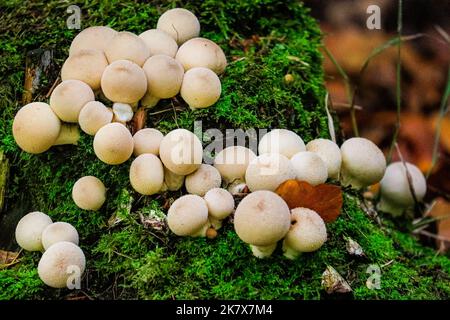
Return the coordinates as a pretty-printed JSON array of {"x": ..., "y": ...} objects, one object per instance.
[
  {"x": 188, "y": 216},
  {"x": 262, "y": 219},
  {"x": 232, "y": 162},
  {"x": 201, "y": 88},
  {"x": 113, "y": 143},
  {"x": 147, "y": 140},
  {"x": 268, "y": 171},
  {"x": 96, "y": 38},
  {"x": 124, "y": 81},
  {"x": 93, "y": 116},
  {"x": 57, "y": 232},
  {"x": 58, "y": 262},
  {"x": 281, "y": 141},
  {"x": 309, "y": 167},
  {"x": 201, "y": 52},
  {"x": 123, "y": 112},
  {"x": 127, "y": 46},
  {"x": 89, "y": 193},
  {"x": 159, "y": 42},
  {"x": 238, "y": 188},
  {"x": 69, "y": 97},
  {"x": 363, "y": 163},
  {"x": 172, "y": 181},
  {"x": 85, "y": 65},
  {"x": 202, "y": 180},
  {"x": 149, "y": 101},
  {"x": 181, "y": 152},
  {"x": 164, "y": 76},
  {"x": 395, "y": 187},
  {"x": 306, "y": 234},
  {"x": 220, "y": 205},
  {"x": 180, "y": 24},
  {"x": 147, "y": 174},
  {"x": 330, "y": 153},
  {"x": 29, "y": 230}
]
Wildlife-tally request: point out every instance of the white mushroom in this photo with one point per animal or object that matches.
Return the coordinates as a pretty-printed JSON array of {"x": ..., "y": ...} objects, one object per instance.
[
  {"x": 123, "y": 112},
  {"x": 149, "y": 101},
  {"x": 57, "y": 232},
  {"x": 29, "y": 230},
  {"x": 93, "y": 116},
  {"x": 220, "y": 205},
  {"x": 89, "y": 193},
  {"x": 164, "y": 76},
  {"x": 113, "y": 143},
  {"x": 127, "y": 46},
  {"x": 159, "y": 42},
  {"x": 201, "y": 88},
  {"x": 202, "y": 180},
  {"x": 147, "y": 174},
  {"x": 147, "y": 140},
  {"x": 95, "y": 38},
  {"x": 172, "y": 181},
  {"x": 330, "y": 153},
  {"x": 309, "y": 167},
  {"x": 232, "y": 162},
  {"x": 188, "y": 216},
  {"x": 180, "y": 24},
  {"x": 281, "y": 141}
]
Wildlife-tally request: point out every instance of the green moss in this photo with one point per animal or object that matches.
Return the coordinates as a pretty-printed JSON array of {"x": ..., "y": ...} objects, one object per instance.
[{"x": 127, "y": 258}]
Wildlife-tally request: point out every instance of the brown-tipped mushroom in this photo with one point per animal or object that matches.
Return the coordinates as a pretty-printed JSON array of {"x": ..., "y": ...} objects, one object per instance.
[
  {"x": 147, "y": 140},
  {"x": 93, "y": 116},
  {"x": 127, "y": 46},
  {"x": 164, "y": 76},
  {"x": 220, "y": 205},
  {"x": 92, "y": 38},
  {"x": 180, "y": 24},
  {"x": 159, "y": 42},
  {"x": 201, "y": 88},
  {"x": 188, "y": 216},
  {"x": 113, "y": 143},
  {"x": 202, "y": 180},
  {"x": 89, "y": 193},
  {"x": 232, "y": 162},
  {"x": 147, "y": 174}
]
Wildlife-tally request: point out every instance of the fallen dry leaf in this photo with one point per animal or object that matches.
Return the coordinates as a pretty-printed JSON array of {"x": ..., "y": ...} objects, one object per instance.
[
  {"x": 354, "y": 248},
  {"x": 325, "y": 199},
  {"x": 441, "y": 211},
  {"x": 8, "y": 258},
  {"x": 333, "y": 282}
]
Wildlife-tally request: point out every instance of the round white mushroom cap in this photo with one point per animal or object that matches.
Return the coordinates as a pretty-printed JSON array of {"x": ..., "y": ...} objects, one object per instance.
[
  {"x": 363, "y": 163},
  {"x": 147, "y": 140},
  {"x": 306, "y": 234},
  {"x": 232, "y": 162},
  {"x": 123, "y": 112},
  {"x": 59, "y": 262},
  {"x": 93, "y": 116},
  {"x": 69, "y": 97},
  {"x": 202, "y": 180},
  {"x": 159, "y": 42},
  {"x": 268, "y": 171},
  {"x": 57, "y": 232},
  {"x": 309, "y": 167},
  {"x": 164, "y": 76},
  {"x": 220, "y": 203},
  {"x": 201, "y": 88},
  {"x": 92, "y": 38},
  {"x": 180, "y": 24},
  {"x": 395, "y": 187},
  {"x": 36, "y": 127},
  {"x": 89, "y": 193},
  {"x": 127, "y": 46},
  {"x": 281, "y": 141},
  {"x": 329, "y": 152},
  {"x": 29, "y": 230},
  {"x": 147, "y": 174},
  {"x": 113, "y": 143},
  {"x": 181, "y": 151},
  {"x": 201, "y": 52},
  {"x": 188, "y": 216}
]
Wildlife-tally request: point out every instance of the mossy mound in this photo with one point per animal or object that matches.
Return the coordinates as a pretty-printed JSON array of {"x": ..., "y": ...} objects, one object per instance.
[{"x": 127, "y": 257}]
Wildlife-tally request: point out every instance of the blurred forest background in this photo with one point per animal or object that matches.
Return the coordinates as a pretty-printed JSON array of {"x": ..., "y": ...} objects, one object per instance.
[{"x": 425, "y": 58}]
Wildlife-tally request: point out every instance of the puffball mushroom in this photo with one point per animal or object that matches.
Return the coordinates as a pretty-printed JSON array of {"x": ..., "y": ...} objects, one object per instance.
[
  {"x": 147, "y": 140},
  {"x": 202, "y": 180},
  {"x": 85, "y": 65},
  {"x": 232, "y": 162},
  {"x": 147, "y": 174},
  {"x": 29, "y": 230},
  {"x": 180, "y": 24},
  {"x": 57, "y": 232},
  {"x": 159, "y": 42},
  {"x": 309, "y": 167},
  {"x": 36, "y": 127},
  {"x": 164, "y": 76},
  {"x": 220, "y": 205},
  {"x": 127, "y": 46},
  {"x": 89, "y": 193},
  {"x": 201, "y": 52},
  {"x": 262, "y": 219},
  {"x": 69, "y": 97},
  {"x": 93, "y": 116},
  {"x": 281, "y": 141},
  {"x": 329, "y": 152},
  {"x": 124, "y": 81},
  {"x": 363, "y": 163},
  {"x": 396, "y": 195},
  {"x": 149, "y": 101},
  {"x": 188, "y": 216},
  {"x": 92, "y": 38},
  {"x": 113, "y": 143},
  {"x": 173, "y": 181},
  {"x": 268, "y": 171},
  {"x": 181, "y": 152},
  {"x": 123, "y": 112},
  {"x": 201, "y": 88},
  {"x": 58, "y": 262},
  {"x": 306, "y": 234}
]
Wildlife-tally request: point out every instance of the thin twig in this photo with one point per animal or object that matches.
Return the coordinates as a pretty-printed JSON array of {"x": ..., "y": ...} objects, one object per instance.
[
  {"x": 432, "y": 235},
  {"x": 408, "y": 176},
  {"x": 165, "y": 110}
]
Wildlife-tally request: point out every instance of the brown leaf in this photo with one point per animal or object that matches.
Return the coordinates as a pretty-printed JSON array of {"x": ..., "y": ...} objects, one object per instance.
[
  {"x": 138, "y": 121},
  {"x": 333, "y": 282},
  {"x": 441, "y": 211},
  {"x": 8, "y": 258},
  {"x": 325, "y": 199}
]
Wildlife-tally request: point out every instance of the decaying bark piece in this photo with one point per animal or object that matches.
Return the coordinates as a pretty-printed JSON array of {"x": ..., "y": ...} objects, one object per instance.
[
  {"x": 4, "y": 172},
  {"x": 38, "y": 65}
]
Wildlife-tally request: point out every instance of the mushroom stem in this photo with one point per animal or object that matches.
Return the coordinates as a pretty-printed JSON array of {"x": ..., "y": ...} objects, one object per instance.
[
  {"x": 215, "y": 223},
  {"x": 392, "y": 208},
  {"x": 69, "y": 134},
  {"x": 202, "y": 231},
  {"x": 290, "y": 252},
  {"x": 263, "y": 251}
]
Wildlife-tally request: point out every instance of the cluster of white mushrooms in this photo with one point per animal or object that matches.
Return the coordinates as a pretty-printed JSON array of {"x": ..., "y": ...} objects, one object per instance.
[{"x": 59, "y": 242}]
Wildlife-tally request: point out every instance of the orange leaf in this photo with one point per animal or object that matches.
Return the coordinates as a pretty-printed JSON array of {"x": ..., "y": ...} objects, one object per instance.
[{"x": 325, "y": 199}]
